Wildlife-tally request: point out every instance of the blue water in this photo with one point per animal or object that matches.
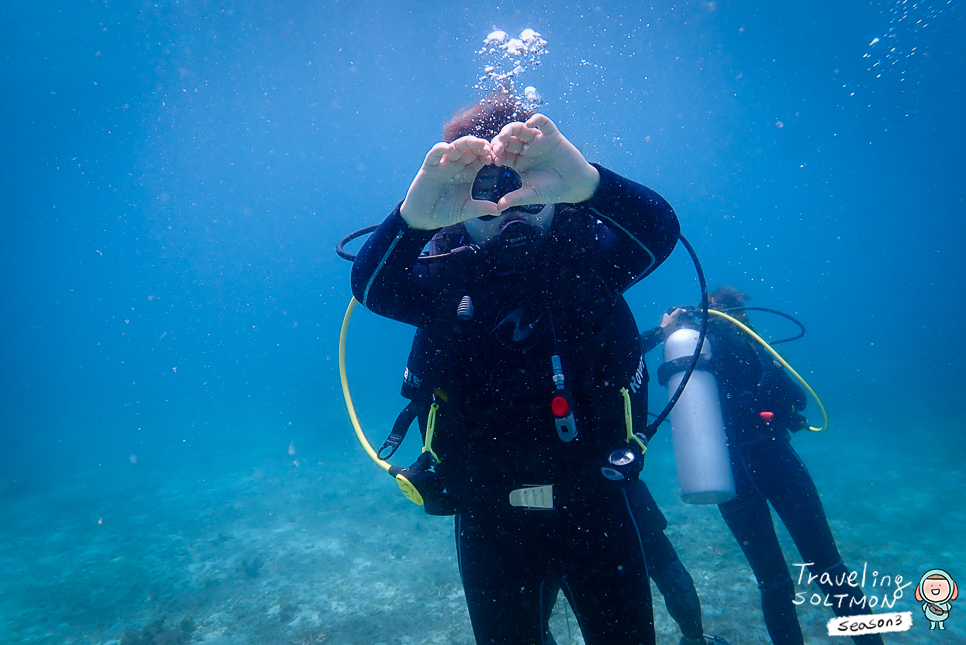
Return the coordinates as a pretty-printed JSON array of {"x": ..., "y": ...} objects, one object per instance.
[{"x": 174, "y": 177}]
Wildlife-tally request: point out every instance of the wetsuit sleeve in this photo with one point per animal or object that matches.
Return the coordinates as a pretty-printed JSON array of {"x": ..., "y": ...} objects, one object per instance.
[
  {"x": 386, "y": 278},
  {"x": 651, "y": 339},
  {"x": 642, "y": 228}
]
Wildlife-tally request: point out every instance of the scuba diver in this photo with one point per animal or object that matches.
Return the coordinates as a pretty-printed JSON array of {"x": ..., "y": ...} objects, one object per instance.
[
  {"x": 537, "y": 369},
  {"x": 760, "y": 406}
]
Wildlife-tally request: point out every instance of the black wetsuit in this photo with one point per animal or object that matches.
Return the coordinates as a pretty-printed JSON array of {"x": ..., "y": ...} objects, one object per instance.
[
  {"x": 494, "y": 430},
  {"x": 664, "y": 566},
  {"x": 767, "y": 469}
]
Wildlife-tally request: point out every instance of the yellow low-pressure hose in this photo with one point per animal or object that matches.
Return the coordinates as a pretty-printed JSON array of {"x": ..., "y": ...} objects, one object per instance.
[
  {"x": 345, "y": 390},
  {"x": 404, "y": 484},
  {"x": 778, "y": 358}
]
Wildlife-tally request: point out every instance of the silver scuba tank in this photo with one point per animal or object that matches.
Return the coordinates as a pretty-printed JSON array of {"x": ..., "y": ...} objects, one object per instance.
[{"x": 700, "y": 443}]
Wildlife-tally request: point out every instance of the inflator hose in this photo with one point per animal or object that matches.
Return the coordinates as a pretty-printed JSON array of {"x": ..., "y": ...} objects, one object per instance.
[
  {"x": 745, "y": 328},
  {"x": 399, "y": 474},
  {"x": 345, "y": 391},
  {"x": 801, "y": 327}
]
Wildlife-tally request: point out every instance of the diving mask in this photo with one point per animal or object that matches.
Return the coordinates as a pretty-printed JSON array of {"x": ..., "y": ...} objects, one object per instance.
[{"x": 493, "y": 182}]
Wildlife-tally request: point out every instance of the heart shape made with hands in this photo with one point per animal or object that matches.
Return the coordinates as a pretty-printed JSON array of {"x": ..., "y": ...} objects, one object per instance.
[{"x": 551, "y": 169}]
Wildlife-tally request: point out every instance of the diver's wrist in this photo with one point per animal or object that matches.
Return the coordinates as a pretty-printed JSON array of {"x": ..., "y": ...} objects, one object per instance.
[
  {"x": 411, "y": 218},
  {"x": 590, "y": 183}
]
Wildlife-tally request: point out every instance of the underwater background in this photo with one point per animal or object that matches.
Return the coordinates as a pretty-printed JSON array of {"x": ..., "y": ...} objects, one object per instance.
[{"x": 176, "y": 460}]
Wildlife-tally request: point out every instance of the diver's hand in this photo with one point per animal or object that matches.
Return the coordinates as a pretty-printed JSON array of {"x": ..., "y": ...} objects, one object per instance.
[
  {"x": 441, "y": 193},
  {"x": 552, "y": 169},
  {"x": 670, "y": 322}
]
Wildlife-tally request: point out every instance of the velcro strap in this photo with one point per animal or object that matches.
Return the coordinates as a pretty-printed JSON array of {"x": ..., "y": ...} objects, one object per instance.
[{"x": 399, "y": 430}]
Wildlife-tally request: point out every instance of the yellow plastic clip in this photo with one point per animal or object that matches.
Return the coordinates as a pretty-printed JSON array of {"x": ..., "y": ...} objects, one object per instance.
[
  {"x": 430, "y": 429},
  {"x": 629, "y": 421}
]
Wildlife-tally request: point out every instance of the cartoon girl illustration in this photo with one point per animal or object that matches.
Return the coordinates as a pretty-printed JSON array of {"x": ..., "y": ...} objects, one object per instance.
[{"x": 936, "y": 590}]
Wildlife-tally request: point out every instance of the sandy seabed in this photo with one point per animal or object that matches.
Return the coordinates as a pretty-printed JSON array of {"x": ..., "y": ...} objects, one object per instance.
[{"x": 328, "y": 551}]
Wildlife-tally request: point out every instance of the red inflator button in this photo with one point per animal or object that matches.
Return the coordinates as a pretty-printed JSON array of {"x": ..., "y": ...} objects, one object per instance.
[
  {"x": 560, "y": 407},
  {"x": 767, "y": 416}
]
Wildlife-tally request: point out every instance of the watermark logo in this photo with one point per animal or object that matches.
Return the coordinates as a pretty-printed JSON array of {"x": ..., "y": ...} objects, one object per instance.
[
  {"x": 883, "y": 593},
  {"x": 936, "y": 591},
  {"x": 899, "y": 621}
]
